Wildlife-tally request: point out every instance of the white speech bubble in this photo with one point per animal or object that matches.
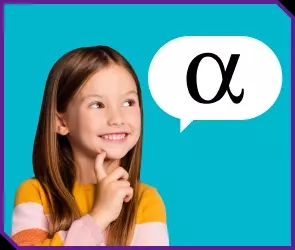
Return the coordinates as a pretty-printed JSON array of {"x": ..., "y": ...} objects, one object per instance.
[{"x": 258, "y": 72}]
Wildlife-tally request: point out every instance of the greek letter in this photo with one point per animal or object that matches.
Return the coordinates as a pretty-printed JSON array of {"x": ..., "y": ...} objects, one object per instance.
[{"x": 227, "y": 74}]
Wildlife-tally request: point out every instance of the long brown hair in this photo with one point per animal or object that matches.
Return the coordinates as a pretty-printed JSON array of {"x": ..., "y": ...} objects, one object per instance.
[{"x": 52, "y": 155}]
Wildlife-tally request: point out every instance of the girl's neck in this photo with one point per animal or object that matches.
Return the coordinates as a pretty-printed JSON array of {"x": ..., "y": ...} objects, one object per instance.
[{"x": 85, "y": 173}]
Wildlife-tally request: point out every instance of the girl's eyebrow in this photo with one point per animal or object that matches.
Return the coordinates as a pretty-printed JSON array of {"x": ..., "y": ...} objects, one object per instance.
[
  {"x": 91, "y": 95},
  {"x": 100, "y": 96},
  {"x": 131, "y": 92}
]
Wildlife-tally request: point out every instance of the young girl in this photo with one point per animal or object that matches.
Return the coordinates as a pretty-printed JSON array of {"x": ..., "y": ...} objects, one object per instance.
[{"x": 86, "y": 158}]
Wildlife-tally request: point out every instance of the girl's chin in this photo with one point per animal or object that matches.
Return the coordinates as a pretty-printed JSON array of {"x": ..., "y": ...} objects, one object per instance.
[{"x": 111, "y": 156}]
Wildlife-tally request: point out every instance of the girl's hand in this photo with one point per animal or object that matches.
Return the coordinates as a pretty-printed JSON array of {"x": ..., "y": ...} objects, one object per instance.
[{"x": 112, "y": 191}]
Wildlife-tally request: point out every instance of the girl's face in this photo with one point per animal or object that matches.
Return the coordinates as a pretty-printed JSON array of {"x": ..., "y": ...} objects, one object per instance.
[{"x": 104, "y": 115}]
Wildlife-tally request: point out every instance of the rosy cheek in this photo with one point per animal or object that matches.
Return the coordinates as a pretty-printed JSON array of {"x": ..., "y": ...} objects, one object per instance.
[
  {"x": 135, "y": 113},
  {"x": 132, "y": 117}
]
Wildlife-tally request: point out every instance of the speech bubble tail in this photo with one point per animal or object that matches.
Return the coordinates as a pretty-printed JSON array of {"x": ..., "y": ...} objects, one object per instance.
[{"x": 184, "y": 123}]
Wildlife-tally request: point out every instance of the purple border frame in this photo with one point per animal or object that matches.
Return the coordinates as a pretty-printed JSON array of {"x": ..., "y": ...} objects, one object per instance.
[{"x": 150, "y": 2}]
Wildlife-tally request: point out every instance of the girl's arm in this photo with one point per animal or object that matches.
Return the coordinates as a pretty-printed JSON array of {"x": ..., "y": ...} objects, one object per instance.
[
  {"x": 30, "y": 223},
  {"x": 151, "y": 227}
]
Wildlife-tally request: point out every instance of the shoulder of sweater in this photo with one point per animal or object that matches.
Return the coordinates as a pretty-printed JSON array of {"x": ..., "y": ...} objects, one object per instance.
[
  {"x": 151, "y": 207},
  {"x": 30, "y": 190}
]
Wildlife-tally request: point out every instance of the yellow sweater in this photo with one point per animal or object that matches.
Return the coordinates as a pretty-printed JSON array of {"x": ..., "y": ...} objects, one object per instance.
[{"x": 31, "y": 218}]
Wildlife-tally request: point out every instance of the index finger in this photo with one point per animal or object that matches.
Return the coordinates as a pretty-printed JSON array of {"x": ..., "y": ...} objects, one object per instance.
[{"x": 99, "y": 169}]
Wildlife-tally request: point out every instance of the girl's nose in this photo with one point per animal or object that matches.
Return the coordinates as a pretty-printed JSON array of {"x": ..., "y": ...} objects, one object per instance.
[{"x": 115, "y": 118}]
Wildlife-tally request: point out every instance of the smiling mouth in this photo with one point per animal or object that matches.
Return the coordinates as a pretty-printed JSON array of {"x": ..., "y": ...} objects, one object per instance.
[{"x": 117, "y": 137}]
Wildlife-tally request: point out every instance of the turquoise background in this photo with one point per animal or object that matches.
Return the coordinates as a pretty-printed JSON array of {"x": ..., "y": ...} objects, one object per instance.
[{"x": 223, "y": 183}]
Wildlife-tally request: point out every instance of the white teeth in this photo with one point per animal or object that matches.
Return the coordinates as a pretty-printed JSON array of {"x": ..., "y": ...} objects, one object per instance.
[{"x": 114, "y": 137}]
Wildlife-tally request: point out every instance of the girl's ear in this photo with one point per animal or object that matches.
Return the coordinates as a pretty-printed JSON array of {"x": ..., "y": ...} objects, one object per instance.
[{"x": 61, "y": 127}]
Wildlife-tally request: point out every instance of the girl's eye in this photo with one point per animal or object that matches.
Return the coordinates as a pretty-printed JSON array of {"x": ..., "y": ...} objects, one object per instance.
[
  {"x": 128, "y": 103},
  {"x": 97, "y": 105}
]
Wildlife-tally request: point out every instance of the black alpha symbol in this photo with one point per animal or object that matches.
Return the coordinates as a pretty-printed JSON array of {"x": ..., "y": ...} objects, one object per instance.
[{"x": 191, "y": 78}]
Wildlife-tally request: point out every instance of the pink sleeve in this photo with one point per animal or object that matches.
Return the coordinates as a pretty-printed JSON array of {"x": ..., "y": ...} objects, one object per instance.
[
  {"x": 151, "y": 234},
  {"x": 30, "y": 228},
  {"x": 84, "y": 232}
]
